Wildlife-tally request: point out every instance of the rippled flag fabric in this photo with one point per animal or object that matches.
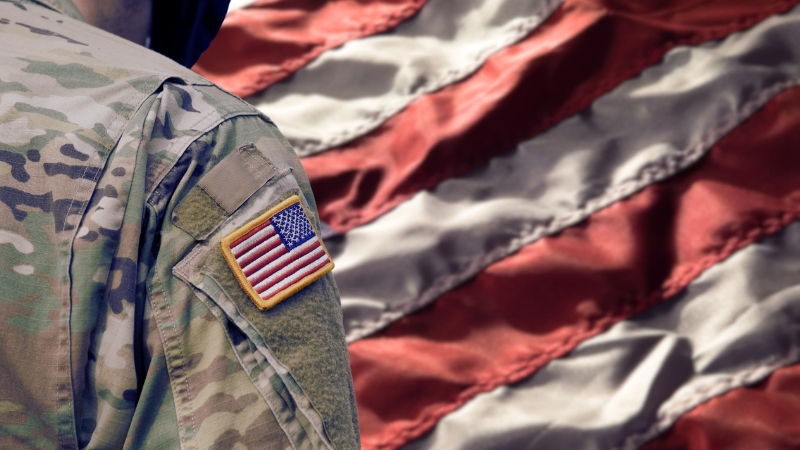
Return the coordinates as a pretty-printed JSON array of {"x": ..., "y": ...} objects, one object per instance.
[{"x": 555, "y": 224}]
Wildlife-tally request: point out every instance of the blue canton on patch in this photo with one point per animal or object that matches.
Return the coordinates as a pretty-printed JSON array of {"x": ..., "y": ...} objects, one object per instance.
[{"x": 292, "y": 226}]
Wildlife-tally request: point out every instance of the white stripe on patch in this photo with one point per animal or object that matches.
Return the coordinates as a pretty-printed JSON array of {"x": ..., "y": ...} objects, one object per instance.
[
  {"x": 299, "y": 274},
  {"x": 732, "y": 326},
  {"x": 302, "y": 261},
  {"x": 255, "y": 238},
  {"x": 647, "y": 129},
  {"x": 280, "y": 260},
  {"x": 263, "y": 258}
]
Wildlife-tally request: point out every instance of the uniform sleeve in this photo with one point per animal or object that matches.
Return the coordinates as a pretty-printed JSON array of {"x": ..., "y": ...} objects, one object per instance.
[{"x": 243, "y": 297}]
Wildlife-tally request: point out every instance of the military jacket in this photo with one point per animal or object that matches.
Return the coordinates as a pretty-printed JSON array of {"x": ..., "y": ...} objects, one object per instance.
[{"x": 122, "y": 323}]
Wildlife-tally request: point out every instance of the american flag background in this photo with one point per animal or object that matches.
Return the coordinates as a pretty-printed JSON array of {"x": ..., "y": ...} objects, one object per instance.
[{"x": 557, "y": 224}]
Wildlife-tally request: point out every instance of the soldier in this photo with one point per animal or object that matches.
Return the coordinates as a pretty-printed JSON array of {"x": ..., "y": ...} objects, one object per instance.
[{"x": 164, "y": 284}]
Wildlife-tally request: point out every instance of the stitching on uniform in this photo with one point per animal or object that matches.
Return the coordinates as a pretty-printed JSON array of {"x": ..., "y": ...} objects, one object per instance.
[
  {"x": 187, "y": 264},
  {"x": 165, "y": 343},
  {"x": 261, "y": 160},
  {"x": 175, "y": 337},
  {"x": 119, "y": 116},
  {"x": 241, "y": 155},
  {"x": 648, "y": 175}
]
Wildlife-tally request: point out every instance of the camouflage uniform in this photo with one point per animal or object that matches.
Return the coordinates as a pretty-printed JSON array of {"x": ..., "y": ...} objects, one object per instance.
[{"x": 120, "y": 324}]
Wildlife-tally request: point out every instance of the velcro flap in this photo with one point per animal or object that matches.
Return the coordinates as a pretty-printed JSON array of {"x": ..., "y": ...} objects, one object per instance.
[
  {"x": 238, "y": 176},
  {"x": 223, "y": 190}
]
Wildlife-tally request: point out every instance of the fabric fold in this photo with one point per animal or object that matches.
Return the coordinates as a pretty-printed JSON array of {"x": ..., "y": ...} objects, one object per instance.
[
  {"x": 732, "y": 326},
  {"x": 349, "y": 91},
  {"x": 536, "y": 305},
  {"x": 626, "y": 141}
]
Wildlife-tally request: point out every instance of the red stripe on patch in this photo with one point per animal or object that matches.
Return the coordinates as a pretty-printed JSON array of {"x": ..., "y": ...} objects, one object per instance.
[
  {"x": 299, "y": 275},
  {"x": 280, "y": 266},
  {"x": 250, "y": 259}
]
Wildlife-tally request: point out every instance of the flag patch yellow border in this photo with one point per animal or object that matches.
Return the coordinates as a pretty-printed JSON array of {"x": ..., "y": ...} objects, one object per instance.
[{"x": 276, "y": 254}]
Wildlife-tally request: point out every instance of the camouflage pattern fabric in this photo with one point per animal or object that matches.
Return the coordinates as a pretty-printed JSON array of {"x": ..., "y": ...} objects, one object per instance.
[{"x": 119, "y": 326}]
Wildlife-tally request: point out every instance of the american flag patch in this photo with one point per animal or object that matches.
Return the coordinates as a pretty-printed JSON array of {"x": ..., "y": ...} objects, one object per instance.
[{"x": 277, "y": 254}]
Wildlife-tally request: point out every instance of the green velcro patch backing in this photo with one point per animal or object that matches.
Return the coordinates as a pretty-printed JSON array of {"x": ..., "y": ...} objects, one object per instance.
[
  {"x": 304, "y": 331},
  {"x": 223, "y": 190},
  {"x": 198, "y": 214}
]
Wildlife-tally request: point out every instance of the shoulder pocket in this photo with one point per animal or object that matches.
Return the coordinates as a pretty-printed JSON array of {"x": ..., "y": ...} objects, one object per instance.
[{"x": 302, "y": 332}]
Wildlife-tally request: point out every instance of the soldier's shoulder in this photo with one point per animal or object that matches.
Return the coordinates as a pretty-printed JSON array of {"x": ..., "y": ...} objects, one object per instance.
[
  {"x": 93, "y": 84},
  {"x": 46, "y": 51}
]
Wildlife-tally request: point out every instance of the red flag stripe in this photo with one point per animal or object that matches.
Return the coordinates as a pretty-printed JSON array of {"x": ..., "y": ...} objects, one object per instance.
[
  {"x": 271, "y": 39},
  {"x": 763, "y": 417},
  {"x": 461, "y": 127},
  {"x": 621, "y": 260}
]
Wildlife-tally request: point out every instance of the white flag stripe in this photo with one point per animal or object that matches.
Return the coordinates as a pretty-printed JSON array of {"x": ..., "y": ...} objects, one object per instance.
[
  {"x": 261, "y": 286},
  {"x": 263, "y": 259},
  {"x": 281, "y": 260},
  {"x": 253, "y": 239},
  {"x": 732, "y": 326},
  {"x": 348, "y": 92},
  {"x": 442, "y": 237},
  {"x": 297, "y": 276}
]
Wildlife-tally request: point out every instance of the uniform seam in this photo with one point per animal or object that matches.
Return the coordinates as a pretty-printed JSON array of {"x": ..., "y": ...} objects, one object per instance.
[
  {"x": 68, "y": 271},
  {"x": 180, "y": 355},
  {"x": 230, "y": 112},
  {"x": 241, "y": 153}
]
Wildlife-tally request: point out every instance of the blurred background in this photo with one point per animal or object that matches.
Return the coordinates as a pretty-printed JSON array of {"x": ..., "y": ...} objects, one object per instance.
[{"x": 557, "y": 224}]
